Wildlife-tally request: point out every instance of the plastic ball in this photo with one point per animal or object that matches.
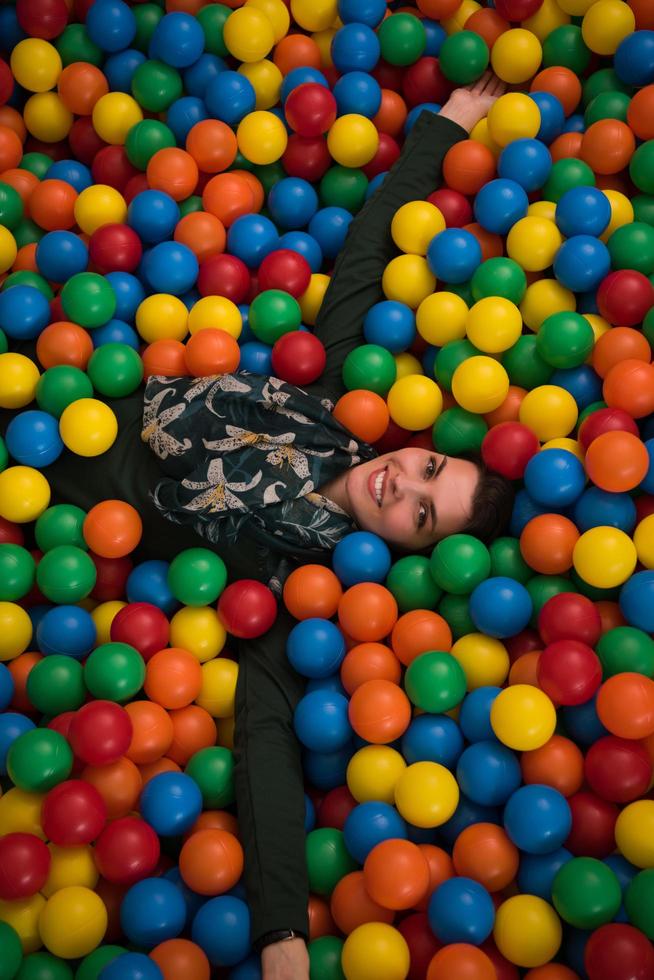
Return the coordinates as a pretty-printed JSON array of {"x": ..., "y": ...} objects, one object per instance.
[
  {"x": 480, "y": 384},
  {"x": 488, "y": 773},
  {"x": 73, "y": 813},
  {"x": 73, "y": 922},
  {"x": 523, "y": 717},
  {"x": 414, "y": 402},
  {"x": 604, "y": 557},
  {"x": 537, "y": 819},
  {"x": 638, "y": 722},
  {"x": 453, "y": 255},
  {"x": 527, "y": 930},
  {"x": 35, "y": 64},
  {"x": 426, "y": 794},
  {"x": 153, "y": 910},
  {"x": 513, "y": 116},
  {"x": 461, "y": 910},
  {"x": 26, "y": 863},
  {"x": 247, "y": 608},
  {"x": 38, "y": 760},
  {"x": 414, "y": 225},
  {"x": 493, "y": 324},
  {"x": 617, "y": 950},
  {"x": 298, "y": 357},
  {"x": 463, "y": 959},
  {"x": 315, "y": 648},
  {"x": 127, "y": 850}
]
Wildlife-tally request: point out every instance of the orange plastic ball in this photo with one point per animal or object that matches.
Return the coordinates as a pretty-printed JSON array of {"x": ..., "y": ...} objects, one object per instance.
[
  {"x": 215, "y": 820},
  {"x": 461, "y": 961},
  {"x": 12, "y": 119},
  {"x": 312, "y": 591},
  {"x": 607, "y": 146},
  {"x": 193, "y": 729},
  {"x": 488, "y": 24},
  {"x": 438, "y": 9},
  {"x": 180, "y": 959},
  {"x": 211, "y": 352},
  {"x": 164, "y": 357},
  {"x": 625, "y": 705},
  {"x": 203, "y": 233},
  {"x": 212, "y": 144},
  {"x": 228, "y": 196},
  {"x": 64, "y": 342},
  {"x": 80, "y": 85},
  {"x": 440, "y": 869},
  {"x": 619, "y": 344},
  {"x": 152, "y": 731},
  {"x": 566, "y": 145},
  {"x": 297, "y": 51},
  {"x": 467, "y": 166},
  {"x": 26, "y": 258},
  {"x": 367, "y": 611},
  {"x": 211, "y": 862},
  {"x": 524, "y": 670},
  {"x": 547, "y": 543},
  {"x": 152, "y": 769},
  {"x": 52, "y": 205},
  {"x": 396, "y": 874},
  {"x": 392, "y": 113},
  {"x": 640, "y": 113},
  {"x": 23, "y": 182},
  {"x": 630, "y": 385},
  {"x": 492, "y": 246},
  {"x": 617, "y": 461},
  {"x": 379, "y": 711},
  {"x": 551, "y": 971},
  {"x": 364, "y": 413},
  {"x": 20, "y": 669},
  {"x": 558, "y": 763},
  {"x": 509, "y": 410},
  {"x": 644, "y": 14},
  {"x": 484, "y": 852},
  {"x": 112, "y": 529},
  {"x": 610, "y": 615},
  {"x": 417, "y": 632},
  {"x": 320, "y": 918},
  {"x": 561, "y": 82},
  {"x": 173, "y": 678},
  {"x": 173, "y": 171},
  {"x": 367, "y": 662},
  {"x": 352, "y": 906},
  {"x": 255, "y": 186},
  {"x": 11, "y": 148},
  {"x": 119, "y": 784}
]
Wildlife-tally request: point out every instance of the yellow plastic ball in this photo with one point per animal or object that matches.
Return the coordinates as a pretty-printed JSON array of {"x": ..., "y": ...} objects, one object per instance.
[
  {"x": 88, "y": 427},
  {"x": 523, "y": 717},
  {"x": 266, "y": 80},
  {"x": 604, "y": 557},
  {"x": 622, "y": 212},
  {"x": 481, "y": 134},
  {"x": 23, "y": 915},
  {"x": 15, "y": 627},
  {"x": 543, "y": 298},
  {"x": 99, "y": 205},
  {"x": 311, "y": 299},
  {"x": 218, "y": 689},
  {"x": 162, "y": 317},
  {"x": 217, "y": 313},
  {"x": 513, "y": 116},
  {"x": 36, "y": 64},
  {"x": 198, "y": 629},
  {"x": 103, "y": 616},
  {"x": 458, "y": 19},
  {"x": 598, "y": 323},
  {"x": 493, "y": 324},
  {"x": 634, "y": 833},
  {"x": 8, "y": 249},
  {"x": 480, "y": 384},
  {"x": 546, "y": 19},
  {"x": 47, "y": 118},
  {"x": 225, "y": 732},
  {"x": 408, "y": 279},
  {"x": 542, "y": 209},
  {"x": 373, "y": 772},
  {"x": 324, "y": 41},
  {"x": 570, "y": 445},
  {"x": 406, "y": 364},
  {"x": 353, "y": 140},
  {"x": 576, "y": 8},
  {"x": 70, "y": 866},
  {"x": 375, "y": 950},
  {"x": 414, "y": 225},
  {"x": 248, "y": 34},
  {"x": 527, "y": 930},
  {"x": 277, "y": 13},
  {"x": 644, "y": 541},
  {"x": 441, "y": 317},
  {"x": 516, "y": 56},
  {"x": 533, "y": 243},
  {"x": 415, "y": 402},
  {"x": 113, "y": 116},
  {"x": 314, "y": 15},
  {"x": 549, "y": 411},
  {"x": 426, "y": 794},
  {"x": 261, "y": 137},
  {"x": 19, "y": 377},
  {"x": 20, "y": 812},
  {"x": 605, "y": 24},
  {"x": 73, "y": 922},
  {"x": 484, "y": 659},
  {"x": 24, "y": 494}
]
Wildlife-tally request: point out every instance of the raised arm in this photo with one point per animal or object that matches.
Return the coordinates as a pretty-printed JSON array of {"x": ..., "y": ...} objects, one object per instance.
[{"x": 356, "y": 280}]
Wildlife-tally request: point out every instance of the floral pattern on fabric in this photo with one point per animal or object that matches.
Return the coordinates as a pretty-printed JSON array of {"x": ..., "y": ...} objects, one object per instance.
[{"x": 244, "y": 453}]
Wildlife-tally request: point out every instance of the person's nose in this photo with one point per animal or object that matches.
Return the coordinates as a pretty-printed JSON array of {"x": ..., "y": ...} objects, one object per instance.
[{"x": 402, "y": 486}]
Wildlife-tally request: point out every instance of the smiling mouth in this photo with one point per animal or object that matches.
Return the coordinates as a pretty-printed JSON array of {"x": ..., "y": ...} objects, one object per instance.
[{"x": 377, "y": 485}]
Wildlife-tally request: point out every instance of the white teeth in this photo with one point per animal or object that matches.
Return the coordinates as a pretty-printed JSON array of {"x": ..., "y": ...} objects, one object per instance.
[{"x": 379, "y": 482}]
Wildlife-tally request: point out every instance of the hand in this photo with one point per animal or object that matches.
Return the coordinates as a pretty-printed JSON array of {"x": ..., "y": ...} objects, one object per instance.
[
  {"x": 466, "y": 106},
  {"x": 288, "y": 960}
]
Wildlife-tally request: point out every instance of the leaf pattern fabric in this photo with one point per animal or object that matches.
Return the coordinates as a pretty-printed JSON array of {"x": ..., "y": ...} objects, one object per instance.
[{"x": 246, "y": 454}]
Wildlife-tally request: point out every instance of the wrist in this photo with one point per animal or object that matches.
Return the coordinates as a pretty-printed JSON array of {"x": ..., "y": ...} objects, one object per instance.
[{"x": 278, "y": 936}]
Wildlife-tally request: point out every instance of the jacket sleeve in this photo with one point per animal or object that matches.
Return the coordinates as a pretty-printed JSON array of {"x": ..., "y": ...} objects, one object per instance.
[{"x": 356, "y": 280}]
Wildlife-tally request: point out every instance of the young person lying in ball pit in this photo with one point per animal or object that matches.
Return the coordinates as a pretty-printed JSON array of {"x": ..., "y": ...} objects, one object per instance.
[{"x": 261, "y": 472}]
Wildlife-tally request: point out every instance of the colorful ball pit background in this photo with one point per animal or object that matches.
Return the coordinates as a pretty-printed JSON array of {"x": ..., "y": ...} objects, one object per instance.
[{"x": 176, "y": 182}]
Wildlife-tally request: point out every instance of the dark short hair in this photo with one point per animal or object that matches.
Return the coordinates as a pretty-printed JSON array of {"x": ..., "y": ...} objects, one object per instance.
[{"x": 491, "y": 505}]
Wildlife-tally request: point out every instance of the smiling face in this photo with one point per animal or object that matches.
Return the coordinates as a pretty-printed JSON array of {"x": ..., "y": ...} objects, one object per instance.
[{"x": 412, "y": 498}]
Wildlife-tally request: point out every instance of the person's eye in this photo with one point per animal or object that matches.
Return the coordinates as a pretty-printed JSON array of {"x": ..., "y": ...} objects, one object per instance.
[
  {"x": 430, "y": 468},
  {"x": 422, "y": 516}
]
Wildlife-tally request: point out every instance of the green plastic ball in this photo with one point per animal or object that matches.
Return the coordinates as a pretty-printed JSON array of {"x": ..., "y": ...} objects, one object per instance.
[
  {"x": 607, "y": 105},
  {"x": 61, "y": 385},
  {"x": 448, "y": 359},
  {"x": 56, "y": 684},
  {"x": 268, "y": 173},
  {"x": 17, "y": 572},
  {"x": 88, "y": 299},
  {"x": 591, "y": 591},
  {"x": 565, "y": 339},
  {"x": 27, "y": 232},
  {"x": 564, "y": 46},
  {"x": 604, "y": 80},
  {"x": 11, "y": 206},
  {"x": 12, "y": 951},
  {"x": 25, "y": 277},
  {"x": 146, "y": 138},
  {"x": 544, "y": 587},
  {"x": 44, "y": 966},
  {"x": 197, "y": 576},
  {"x": 586, "y": 893},
  {"x": 325, "y": 958},
  {"x": 435, "y": 682},
  {"x": 459, "y": 563},
  {"x": 60, "y": 524},
  {"x": 464, "y": 57},
  {"x": 92, "y": 965},
  {"x": 343, "y": 187},
  {"x": 39, "y": 759},
  {"x": 190, "y": 205},
  {"x": 4, "y": 455},
  {"x": 74, "y": 44},
  {"x": 212, "y": 20},
  {"x": 524, "y": 365},
  {"x": 272, "y": 314},
  {"x": 328, "y": 859},
  {"x": 641, "y": 167},
  {"x": 462, "y": 289},
  {"x": 626, "y": 649},
  {"x": 639, "y": 902},
  {"x": 213, "y": 771},
  {"x": 402, "y": 39},
  {"x": 37, "y": 163},
  {"x": 632, "y": 247},
  {"x": 457, "y": 431},
  {"x": 66, "y": 574},
  {"x": 411, "y": 582},
  {"x": 499, "y": 277},
  {"x": 156, "y": 85},
  {"x": 115, "y": 370},
  {"x": 588, "y": 410},
  {"x": 507, "y": 561},
  {"x": 566, "y": 174},
  {"x": 114, "y": 672},
  {"x": 371, "y": 367},
  {"x": 147, "y": 16},
  {"x": 643, "y": 205},
  {"x": 455, "y": 610}
]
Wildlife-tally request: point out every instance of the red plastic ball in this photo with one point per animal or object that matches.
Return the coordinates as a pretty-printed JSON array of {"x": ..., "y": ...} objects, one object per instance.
[
  {"x": 115, "y": 248},
  {"x": 593, "y": 825},
  {"x": 247, "y": 608},
  {"x": 100, "y": 732},
  {"x": 285, "y": 269},
  {"x": 335, "y": 808},
  {"x": 618, "y": 769},
  {"x": 624, "y": 297},
  {"x": 24, "y": 866},
  {"x": 111, "y": 579},
  {"x": 605, "y": 420},
  {"x": 306, "y": 157},
  {"x": 423, "y": 81},
  {"x": 111, "y": 166},
  {"x": 618, "y": 951},
  {"x": 310, "y": 109},
  {"x": 42, "y": 18},
  {"x": 453, "y": 205},
  {"x": 10, "y": 533},
  {"x": 6, "y": 82},
  {"x": 224, "y": 275},
  {"x": 421, "y": 941},
  {"x": 570, "y": 616},
  {"x": 126, "y": 851},
  {"x": 569, "y": 672},
  {"x": 73, "y": 812},
  {"x": 84, "y": 141},
  {"x": 143, "y": 626},
  {"x": 508, "y": 447},
  {"x": 385, "y": 156},
  {"x": 298, "y": 357},
  {"x": 517, "y": 9}
]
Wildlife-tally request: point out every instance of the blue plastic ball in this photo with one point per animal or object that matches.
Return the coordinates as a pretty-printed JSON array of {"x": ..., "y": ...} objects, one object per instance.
[
  {"x": 500, "y": 607},
  {"x": 183, "y": 114},
  {"x": 526, "y": 161},
  {"x": 119, "y": 69},
  {"x": 355, "y": 47},
  {"x": 499, "y": 204},
  {"x": 327, "y": 770},
  {"x": 298, "y": 76},
  {"x": 24, "y": 312},
  {"x": 292, "y": 203},
  {"x": 555, "y": 478},
  {"x": 152, "y": 910},
  {"x": 201, "y": 73},
  {"x": 60, "y": 255},
  {"x": 251, "y": 238},
  {"x": 474, "y": 714},
  {"x": 321, "y": 721},
  {"x": 552, "y": 116},
  {"x": 110, "y": 24},
  {"x": 148, "y": 582},
  {"x": 582, "y": 382},
  {"x": 414, "y": 114},
  {"x": 178, "y": 40},
  {"x": 12, "y": 725},
  {"x": 222, "y": 929},
  {"x": 129, "y": 293},
  {"x": 538, "y": 871},
  {"x": 436, "y": 34},
  {"x": 332, "y": 683},
  {"x": 329, "y": 226},
  {"x": 153, "y": 216},
  {"x": 599, "y": 508},
  {"x": 116, "y": 332},
  {"x": 357, "y": 92},
  {"x": 10, "y": 30},
  {"x": 575, "y": 123},
  {"x": 33, "y": 439},
  {"x": 466, "y": 813},
  {"x": 390, "y": 324},
  {"x": 537, "y": 819},
  {"x": 581, "y": 263},
  {"x": 461, "y": 911},
  {"x": 634, "y": 59},
  {"x": 6, "y": 687},
  {"x": 582, "y": 723},
  {"x": 370, "y": 12},
  {"x": 524, "y": 508},
  {"x": 315, "y": 647},
  {"x": 433, "y": 738},
  {"x": 361, "y": 557},
  {"x": 67, "y": 630},
  {"x": 230, "y": 97},
  {"x": 375, "y": 183},
  {"x": 637, "y": 601},
  {"x": 171, "y": 267},
  {"x": 131, "y": 966},
  {"x": 647, "y": 483},
  {"x": 305, "y": 245},
  {"x": 488, "y": 773},
  {"x": 192, "y": 900},
  {"x": 249, "y": 969},
  {"x": 256, "y": 357},
  {"x": 72, "y": 172},
  {"x": 453, "y": 255},
  {"x": 583, "y": 211},
  {"x": 171, "y": 803},
  {"x": 370, "y": 823}
]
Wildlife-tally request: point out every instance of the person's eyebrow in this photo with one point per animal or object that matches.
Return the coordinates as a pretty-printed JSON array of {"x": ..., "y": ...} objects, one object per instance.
[{"x": 432, "y": 508}]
